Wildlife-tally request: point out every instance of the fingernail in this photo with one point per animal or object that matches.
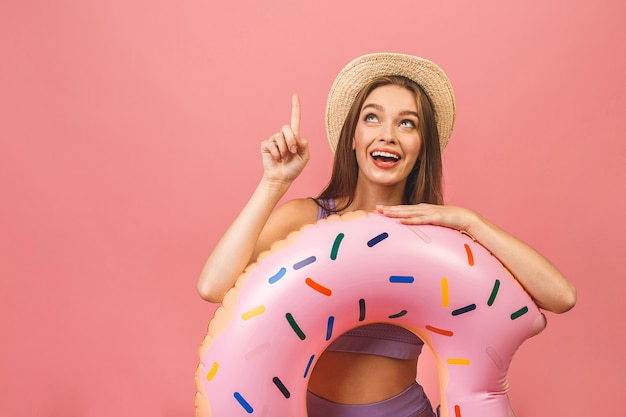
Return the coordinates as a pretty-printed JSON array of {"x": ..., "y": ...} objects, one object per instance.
[{"x": 293, "y": 149}]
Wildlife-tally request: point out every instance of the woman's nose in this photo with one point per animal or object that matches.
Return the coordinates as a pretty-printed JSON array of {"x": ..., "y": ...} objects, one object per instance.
[{"x": 387, "y": 133}]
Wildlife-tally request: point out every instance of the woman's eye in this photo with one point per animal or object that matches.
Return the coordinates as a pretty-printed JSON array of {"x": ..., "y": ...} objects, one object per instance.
[
  {"x": 370, "y": 118},
  {"x": 407, "y": 123}
]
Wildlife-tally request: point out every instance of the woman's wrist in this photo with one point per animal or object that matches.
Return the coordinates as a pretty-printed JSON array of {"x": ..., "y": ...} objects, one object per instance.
[
  {"x": 274, "y": 186},
  {"x": 473, "y": 224}
]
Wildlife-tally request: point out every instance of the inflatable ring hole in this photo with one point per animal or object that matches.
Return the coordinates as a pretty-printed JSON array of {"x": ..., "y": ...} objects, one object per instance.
[{"x": 384, "y": 349}]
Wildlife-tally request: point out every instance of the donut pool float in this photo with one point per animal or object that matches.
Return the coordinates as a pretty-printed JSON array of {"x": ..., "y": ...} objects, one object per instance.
[{"x": 356, "y": 269}]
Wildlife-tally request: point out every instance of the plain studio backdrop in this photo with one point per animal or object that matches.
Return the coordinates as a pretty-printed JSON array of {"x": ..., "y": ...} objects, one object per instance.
[{"x": 129, "y": 139}]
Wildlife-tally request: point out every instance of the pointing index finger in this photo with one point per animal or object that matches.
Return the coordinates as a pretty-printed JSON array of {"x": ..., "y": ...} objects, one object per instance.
[{"x": 295, "y": 114}]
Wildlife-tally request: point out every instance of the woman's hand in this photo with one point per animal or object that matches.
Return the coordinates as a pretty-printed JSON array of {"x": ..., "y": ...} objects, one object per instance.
[
  {"x": 449, "y": 216},
  {"x": 285, "y": 153}
]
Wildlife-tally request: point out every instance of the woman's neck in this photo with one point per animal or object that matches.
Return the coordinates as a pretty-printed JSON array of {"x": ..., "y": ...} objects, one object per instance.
[{"x": 368, "y": 197}]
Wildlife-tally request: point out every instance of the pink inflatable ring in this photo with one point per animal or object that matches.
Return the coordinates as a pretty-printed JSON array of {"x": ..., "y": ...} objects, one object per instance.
[{"x": 352, "y": 270}]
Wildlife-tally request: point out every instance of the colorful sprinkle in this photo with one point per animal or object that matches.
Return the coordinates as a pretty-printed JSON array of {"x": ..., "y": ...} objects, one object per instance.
[
  {"x": 464, "y": 310},
  {"x": 295, "y": 326},
  {"x": 254, "y": 312},
  {"x": 304, "y": 262},
  {"x": 281, "y": 387},
  {"x": 318, "y": 287},
  {"x": 329, "y": 327},
  {"x": 335, "y": 249},
  {"x": 212, "y": 372},
  {"x": 494, "y": 292},
  {"x": 457, "y": 411},
  {"x": 519, "y": 313},
  {"x": 470, "y": 256},
  {"x": 439, "y": 331},
  {"x": 243, "y": 403},
  {"x": 491, "y": 352},
  {"x": 376, "y": 240},
  {"x": 400, "y": 314},
  {"x": 418, "y": 232},
  {"x": 401, "y": 279},
  {"x": 458, "y": 361},
  {"x": 274, "y": 278},
  {"x": 256, "y": 351},
  {"x": 445, "y": 294},
  {"x": 308, "y": 366},
  {"x": 361, "y": 309}
]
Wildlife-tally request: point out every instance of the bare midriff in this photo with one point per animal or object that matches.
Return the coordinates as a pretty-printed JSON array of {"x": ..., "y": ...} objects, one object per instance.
[{"x": 357, "y": 378}]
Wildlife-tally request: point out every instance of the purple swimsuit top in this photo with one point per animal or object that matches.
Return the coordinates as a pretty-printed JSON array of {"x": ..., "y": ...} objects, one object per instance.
[{"x": 377, "y": 338}]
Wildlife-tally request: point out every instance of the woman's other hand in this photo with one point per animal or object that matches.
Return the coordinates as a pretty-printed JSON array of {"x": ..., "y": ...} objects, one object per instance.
[{"x": 449, "y": 216}]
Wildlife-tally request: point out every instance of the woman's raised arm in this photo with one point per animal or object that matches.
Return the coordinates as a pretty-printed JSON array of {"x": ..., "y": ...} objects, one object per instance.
[{"x": 284, "y": 156}]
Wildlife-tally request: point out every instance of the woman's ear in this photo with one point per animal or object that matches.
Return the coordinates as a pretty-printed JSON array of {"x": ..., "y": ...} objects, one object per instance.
[{"x": 353, "y": 145}]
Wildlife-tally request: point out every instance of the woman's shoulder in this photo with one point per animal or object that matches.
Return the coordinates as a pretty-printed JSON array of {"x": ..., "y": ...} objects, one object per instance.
[
  {"x": 289, "y": 217},
  {"x": 300, "y": 210},
  {"x": 292, "y": 215}
]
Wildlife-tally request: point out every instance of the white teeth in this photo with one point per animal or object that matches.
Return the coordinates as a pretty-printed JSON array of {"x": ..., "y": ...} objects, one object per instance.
[{"x": 385, "y": 155}]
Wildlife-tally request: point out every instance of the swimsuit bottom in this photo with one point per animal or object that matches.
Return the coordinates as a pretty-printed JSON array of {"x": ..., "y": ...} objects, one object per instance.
[{"x": 412, "y": 402}]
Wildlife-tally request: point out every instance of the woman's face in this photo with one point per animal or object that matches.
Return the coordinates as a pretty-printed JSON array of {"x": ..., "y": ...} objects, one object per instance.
[{"x": 387, "y": 141}]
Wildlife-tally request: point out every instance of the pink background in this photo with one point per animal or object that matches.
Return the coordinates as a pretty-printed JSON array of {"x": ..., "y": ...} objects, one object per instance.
[{"x": 129, "y": 137}]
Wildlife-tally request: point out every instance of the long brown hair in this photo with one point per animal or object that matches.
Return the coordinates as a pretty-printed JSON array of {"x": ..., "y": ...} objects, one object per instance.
[{"x": 424, "y": 183}]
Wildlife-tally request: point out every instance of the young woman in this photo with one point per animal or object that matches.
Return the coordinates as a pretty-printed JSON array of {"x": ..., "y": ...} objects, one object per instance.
[{"x": 389, "y": 116}]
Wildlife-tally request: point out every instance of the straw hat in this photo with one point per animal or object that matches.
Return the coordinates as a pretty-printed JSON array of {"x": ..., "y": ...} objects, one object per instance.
[{"x": 364, "y": 69}]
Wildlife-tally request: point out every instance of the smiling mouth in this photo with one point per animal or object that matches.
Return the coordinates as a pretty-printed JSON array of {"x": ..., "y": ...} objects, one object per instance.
[{"x": 385, "y": 156}]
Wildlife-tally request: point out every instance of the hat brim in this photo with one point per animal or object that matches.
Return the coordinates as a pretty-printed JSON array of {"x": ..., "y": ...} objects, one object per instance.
[{"x": 361, "y": 71}]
